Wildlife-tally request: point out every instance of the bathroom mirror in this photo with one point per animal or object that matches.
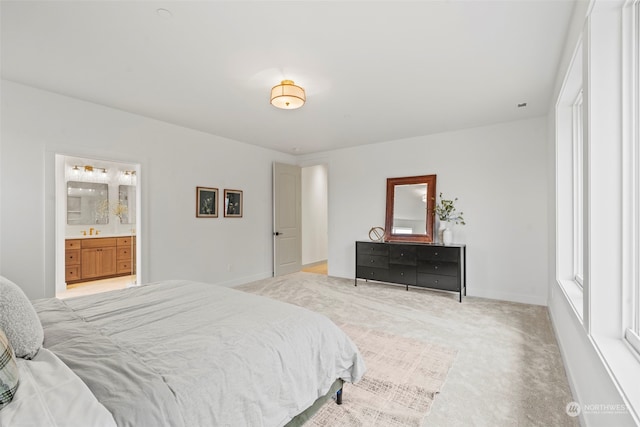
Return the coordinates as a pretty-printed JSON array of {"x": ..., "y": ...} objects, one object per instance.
[
  {"x": 410, "y": 208},
  {"x": 87, "y": 203},
  {"x": 126, "y": 204}
]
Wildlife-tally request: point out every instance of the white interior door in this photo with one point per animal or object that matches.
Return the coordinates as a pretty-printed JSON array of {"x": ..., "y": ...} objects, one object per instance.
[{"x": 287, "y": 224}]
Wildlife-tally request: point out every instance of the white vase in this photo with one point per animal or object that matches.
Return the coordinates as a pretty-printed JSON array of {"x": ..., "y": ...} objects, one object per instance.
[
  {"x": 443, "y": 226},
  {"x": 447, "y": 236}
]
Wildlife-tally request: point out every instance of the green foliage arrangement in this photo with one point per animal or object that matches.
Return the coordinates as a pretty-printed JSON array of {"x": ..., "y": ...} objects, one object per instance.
[{"x": 446, "y": 211}]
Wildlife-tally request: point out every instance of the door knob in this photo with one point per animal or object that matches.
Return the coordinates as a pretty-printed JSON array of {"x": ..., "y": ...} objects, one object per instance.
[{"x": 277, "y": 233}]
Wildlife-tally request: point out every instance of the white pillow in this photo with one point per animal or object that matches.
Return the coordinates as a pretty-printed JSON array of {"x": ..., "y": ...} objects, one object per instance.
[
  {"x": 8, "y": 371},
  {"x": 51, "y": 395},
  {"x": 19, "y": 320}
]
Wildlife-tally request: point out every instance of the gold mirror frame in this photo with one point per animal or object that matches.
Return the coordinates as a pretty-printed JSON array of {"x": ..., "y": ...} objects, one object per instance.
[{"x": 430, "y": 181}]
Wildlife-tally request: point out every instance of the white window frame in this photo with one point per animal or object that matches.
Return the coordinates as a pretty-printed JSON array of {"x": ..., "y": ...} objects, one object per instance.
[
  {"x": 632, "y": 104},
  {"x": 578, "y": 189},
  {"x": 565, "y": 171}
]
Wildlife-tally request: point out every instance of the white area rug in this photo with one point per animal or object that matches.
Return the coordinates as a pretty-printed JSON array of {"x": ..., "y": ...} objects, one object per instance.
[{"x": 402, "y": 379}]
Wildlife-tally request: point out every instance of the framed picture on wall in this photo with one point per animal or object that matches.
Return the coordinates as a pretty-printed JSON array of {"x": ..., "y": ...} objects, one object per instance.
[
  {"x": 206, "y": 202},
  {"x": 233, "y": 203}
]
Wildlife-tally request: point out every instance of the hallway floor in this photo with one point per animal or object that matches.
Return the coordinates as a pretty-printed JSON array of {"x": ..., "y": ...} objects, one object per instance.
[
  {"x": 96, "y": 286},
  {"x": 317, "y": 269}
]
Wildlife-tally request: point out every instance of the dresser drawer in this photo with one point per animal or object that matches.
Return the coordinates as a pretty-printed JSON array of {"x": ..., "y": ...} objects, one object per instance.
[
  {"x": 402, "y": 274},
  {"x": 402, "y": 254},
  {"x": 366, "y": 260},
  {"x": 372, "y": 273},
  {"x": 72, "y": 273},
  {"x": 447, "y": 283},
  {"x": 72, "y": 257},
  {"x": 98, "y": 243},
  {"x": 436, "y": 267},
  {"x": 72, "y": 244},
  {"x": 372, "y": 248},
  {"x": 126, "y": 241},
  {"x": 438, "y": 253},
  {"x": 124, "y": 253},
  {"x": 123, "y": 267}
]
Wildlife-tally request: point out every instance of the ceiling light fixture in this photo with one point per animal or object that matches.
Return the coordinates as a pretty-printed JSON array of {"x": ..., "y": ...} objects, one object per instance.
[{"x": 287, "y": 95}]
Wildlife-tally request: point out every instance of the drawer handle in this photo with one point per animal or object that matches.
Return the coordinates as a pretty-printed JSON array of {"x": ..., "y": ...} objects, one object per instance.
[
  {"x": 372, "y": 261},
  {"x": 401, "y": 254},
  {"x": 402, "y": 273},
  {"x": 435, "y": 254},
  {"x": 435, "y": 281},
  {"x": 373, "y": 273},
  {"x": 436, "y": 267}
]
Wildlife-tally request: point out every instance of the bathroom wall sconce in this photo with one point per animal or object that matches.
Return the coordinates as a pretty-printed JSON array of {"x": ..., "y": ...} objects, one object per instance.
[
  {"x": 128, "y": 178},
  {"x": 88, "y": 173},
  {"x": 87, "y": 168}
]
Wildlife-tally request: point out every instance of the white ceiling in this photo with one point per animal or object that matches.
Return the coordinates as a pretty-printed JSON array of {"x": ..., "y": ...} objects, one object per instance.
[{"x": 373, "y": 71}]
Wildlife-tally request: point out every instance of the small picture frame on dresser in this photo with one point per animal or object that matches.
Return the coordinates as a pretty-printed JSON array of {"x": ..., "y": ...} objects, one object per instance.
[{"x": 206, "y": 202}]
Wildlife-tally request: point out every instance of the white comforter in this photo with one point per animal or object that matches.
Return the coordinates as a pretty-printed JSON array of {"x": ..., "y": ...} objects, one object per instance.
[
  {"x": 51, "y": 395},
  {"x": 228, "y": 358}
]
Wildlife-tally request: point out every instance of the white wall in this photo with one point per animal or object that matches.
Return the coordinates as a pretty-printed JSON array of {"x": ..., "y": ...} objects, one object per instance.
[
  {"x": 36, "y": 125},
  {"x": 314, "y": 214},
  {"x": 497, "y": 172}
]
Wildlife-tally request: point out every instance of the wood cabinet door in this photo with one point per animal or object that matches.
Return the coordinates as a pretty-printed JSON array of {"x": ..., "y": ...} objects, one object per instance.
[
  {"x": 90, "y": 263},
  {"x": 108, "y": 264},
  {"x": 97, "y": 262}
]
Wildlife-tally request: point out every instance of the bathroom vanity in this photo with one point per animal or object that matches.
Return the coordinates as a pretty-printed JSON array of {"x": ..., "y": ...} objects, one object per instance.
[{"x": 99, "y": 257}]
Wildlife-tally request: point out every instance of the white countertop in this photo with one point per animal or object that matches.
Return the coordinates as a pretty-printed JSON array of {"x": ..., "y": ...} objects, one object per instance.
[{"x": 99, "y": 236}]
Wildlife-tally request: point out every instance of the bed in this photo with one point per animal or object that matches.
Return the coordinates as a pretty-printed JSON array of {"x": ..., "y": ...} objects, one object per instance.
[{"x": 180, "y": 353}]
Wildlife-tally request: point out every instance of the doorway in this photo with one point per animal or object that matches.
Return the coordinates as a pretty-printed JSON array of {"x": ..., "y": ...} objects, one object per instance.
[
  {"x": 315, "y": 222},
  {"x": 300, "y": 218},
  {"x": 98, "y": 216}
]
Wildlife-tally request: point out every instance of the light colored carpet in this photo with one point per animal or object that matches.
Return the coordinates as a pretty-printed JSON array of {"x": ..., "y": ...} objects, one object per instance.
[
  {"x": 507, "y": 372},
  {"x": 402, "y": 379}
]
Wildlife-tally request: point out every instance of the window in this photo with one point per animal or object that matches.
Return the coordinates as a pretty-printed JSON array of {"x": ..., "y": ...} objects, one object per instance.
[
  {"x": 570, "y": 188},
  {"x": 578, "y": 189}
]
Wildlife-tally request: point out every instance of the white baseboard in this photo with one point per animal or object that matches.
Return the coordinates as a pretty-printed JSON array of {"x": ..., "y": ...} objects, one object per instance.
[
  {"x": 507, "y": 296},
  {"x": 246, "y": 279}
]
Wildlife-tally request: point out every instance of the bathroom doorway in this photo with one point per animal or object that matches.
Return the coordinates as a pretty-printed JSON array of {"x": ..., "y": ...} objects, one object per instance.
[{"x": 98, "y": 217}]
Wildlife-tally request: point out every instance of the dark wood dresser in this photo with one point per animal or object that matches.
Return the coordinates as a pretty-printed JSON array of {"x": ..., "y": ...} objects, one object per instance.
[{"x": 425, "y": 265}]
